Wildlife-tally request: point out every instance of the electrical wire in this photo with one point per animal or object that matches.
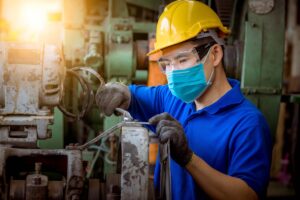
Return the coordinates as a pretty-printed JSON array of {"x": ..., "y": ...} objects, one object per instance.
[{"x": 103, "y": 138}]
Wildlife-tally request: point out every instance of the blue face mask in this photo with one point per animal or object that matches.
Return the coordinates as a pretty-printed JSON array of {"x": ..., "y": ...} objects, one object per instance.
[{"x": 188, "y": 84}]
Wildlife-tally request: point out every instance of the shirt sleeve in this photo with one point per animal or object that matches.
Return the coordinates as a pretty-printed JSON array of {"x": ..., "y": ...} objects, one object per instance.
[
  {"x": 146, "y": 101},
  {"x": 250, "y": 154}
]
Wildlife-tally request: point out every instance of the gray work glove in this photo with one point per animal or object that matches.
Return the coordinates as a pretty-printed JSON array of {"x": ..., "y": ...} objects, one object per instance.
[
  {"x": 112, "y": 96},
  {"x": 168, "y": 128}
]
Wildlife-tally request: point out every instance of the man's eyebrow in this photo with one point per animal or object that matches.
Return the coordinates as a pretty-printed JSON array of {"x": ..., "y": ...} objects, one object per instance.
[
  {"x": 163, "y": 59},
  {"x": 183, "y": 54}
]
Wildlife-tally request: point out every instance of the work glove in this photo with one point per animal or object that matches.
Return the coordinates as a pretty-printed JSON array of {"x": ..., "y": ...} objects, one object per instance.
[
  {"x": 112, "y": 96},
  {"x": 170, "y": 129}
]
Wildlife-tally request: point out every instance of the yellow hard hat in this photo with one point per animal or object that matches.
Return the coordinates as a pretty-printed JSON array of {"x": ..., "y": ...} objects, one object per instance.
[{"x": 182, "y": 20}]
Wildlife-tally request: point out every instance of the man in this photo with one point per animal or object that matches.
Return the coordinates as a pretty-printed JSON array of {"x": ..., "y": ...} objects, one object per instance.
[{"x": 220, "y": 143}]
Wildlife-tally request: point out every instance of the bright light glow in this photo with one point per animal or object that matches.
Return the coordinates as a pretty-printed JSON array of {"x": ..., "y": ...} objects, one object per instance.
[
  {"x": 28, "y": 19},
  {"x": 35, "y": 17}
]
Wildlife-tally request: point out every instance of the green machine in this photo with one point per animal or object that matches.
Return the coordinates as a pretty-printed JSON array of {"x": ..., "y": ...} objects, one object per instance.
[
  {"x": 114, "y": 43},
  {"x": 255, "y": 50}
]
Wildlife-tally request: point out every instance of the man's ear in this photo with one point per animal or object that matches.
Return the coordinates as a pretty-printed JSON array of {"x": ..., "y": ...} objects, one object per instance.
[{"x": 217, "y": 55}]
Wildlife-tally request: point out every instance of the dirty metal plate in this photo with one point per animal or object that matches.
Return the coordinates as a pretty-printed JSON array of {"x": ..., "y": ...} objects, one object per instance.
[
  {"x": 261, "y": 6},
  {"x": 24, "y": 56},
  {"x": 135, "y": 167}
]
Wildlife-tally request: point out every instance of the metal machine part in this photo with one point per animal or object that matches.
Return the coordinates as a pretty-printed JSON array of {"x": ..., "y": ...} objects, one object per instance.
[
  {"x": 261, "y": 6},
  {"x": 133, "y": 179},
  {"x": 135, "y": 167},
  {"x": 31, "y": 76},
  {"x": 63, "y": 168}
]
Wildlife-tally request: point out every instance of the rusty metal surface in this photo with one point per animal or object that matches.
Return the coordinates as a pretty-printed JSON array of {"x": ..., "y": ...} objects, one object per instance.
[
  {"x": 21, "y": 81},
  {"x": 30, "y": 129},
  {"x": 94, "y": 192},
  {"x": 52, "y": 77},
  {"x": 17, "y": 190},
  {"x": 31, "y": 77},
  {"x": 135, "y": 167},
  {"x": 56, "y": 190},
  {"x": 113, "y": 185},
  {"x": 261, "y": 6},
  {"x": 113, "y": 193},
  {"x": 74, "y": 169},
  {"x": 36, "y": 187}
]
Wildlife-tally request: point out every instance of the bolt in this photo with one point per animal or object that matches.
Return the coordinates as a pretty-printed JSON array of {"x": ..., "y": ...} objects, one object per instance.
[
  {"x": 36, "y": 180},
  {"x": 38, "y": 167}
]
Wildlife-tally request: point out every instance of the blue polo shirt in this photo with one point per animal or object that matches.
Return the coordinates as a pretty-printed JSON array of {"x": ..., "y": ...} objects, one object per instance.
[{"x": 231, "y": 135}]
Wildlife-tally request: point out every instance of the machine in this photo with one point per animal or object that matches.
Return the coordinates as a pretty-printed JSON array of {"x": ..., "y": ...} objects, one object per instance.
[
  {"x": 54, "y": 60},
  {"x": 32, "y": 85},
  {"x": 55, "y": 54}
]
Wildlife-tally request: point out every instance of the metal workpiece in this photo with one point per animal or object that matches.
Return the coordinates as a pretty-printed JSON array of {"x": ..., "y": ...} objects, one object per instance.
[{"x": 135, "y": 166}]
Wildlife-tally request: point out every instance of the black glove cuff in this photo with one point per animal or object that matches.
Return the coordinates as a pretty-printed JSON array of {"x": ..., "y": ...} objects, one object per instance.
[{"x": 186, "y": 158}]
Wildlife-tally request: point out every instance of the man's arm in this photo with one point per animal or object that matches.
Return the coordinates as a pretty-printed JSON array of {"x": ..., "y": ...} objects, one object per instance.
[{"x": 216, "y": 184}]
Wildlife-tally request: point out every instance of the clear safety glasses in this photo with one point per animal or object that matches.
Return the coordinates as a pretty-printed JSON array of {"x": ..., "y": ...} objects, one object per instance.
[{"x": 184, "y": 59}]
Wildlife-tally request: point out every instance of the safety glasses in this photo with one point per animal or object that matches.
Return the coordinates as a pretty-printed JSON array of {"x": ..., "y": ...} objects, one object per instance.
[{"x": 185, "y": 59}]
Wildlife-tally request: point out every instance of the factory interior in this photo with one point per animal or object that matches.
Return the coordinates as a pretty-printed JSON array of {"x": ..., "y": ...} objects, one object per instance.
[{"x": 55, "y": 142}]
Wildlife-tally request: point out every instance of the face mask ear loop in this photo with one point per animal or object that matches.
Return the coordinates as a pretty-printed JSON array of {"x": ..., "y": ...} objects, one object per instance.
[
  {"x": 209, "y": 82},
  {"x": 206, "y": 56}
]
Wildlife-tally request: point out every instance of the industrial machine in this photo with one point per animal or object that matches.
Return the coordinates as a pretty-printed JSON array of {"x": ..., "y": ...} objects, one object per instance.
[
  {"x": 55, "y": 54},
  {"x": 58, "y": 65}
]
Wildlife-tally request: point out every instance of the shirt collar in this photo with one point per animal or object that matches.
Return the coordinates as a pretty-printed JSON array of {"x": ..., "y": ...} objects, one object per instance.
[{"x": 232, "y": 97}]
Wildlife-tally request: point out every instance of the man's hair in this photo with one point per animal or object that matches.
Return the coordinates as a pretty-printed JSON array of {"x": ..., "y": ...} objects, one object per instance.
[{"x": 205, "y": 41}]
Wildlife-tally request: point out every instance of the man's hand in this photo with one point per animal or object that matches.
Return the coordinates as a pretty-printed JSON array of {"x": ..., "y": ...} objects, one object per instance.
[
  {"x": 170, "y": 129},
  {"x": 112, "y": 96}
]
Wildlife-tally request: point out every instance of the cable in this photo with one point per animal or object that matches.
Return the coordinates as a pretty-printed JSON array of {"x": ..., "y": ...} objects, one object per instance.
[
  {"x": 88, "y": 99},
  {"x": 92, "y": 71}
]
